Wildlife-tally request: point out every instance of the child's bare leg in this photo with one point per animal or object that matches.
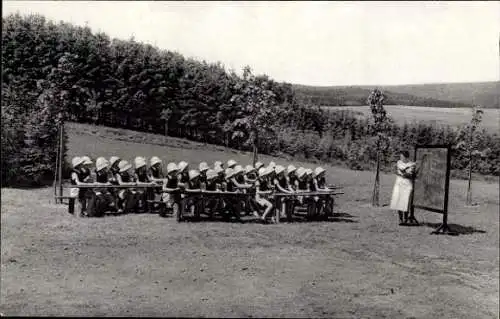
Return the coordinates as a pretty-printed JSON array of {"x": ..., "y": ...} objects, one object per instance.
[{"x": 269, "y": 207}]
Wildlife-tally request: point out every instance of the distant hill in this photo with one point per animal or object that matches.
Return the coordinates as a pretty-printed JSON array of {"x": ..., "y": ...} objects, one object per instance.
[{"x": 485, "y": 94}]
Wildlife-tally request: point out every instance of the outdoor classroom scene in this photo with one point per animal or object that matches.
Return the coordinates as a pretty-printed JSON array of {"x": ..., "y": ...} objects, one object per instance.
[{"x": 138, "y": 180}]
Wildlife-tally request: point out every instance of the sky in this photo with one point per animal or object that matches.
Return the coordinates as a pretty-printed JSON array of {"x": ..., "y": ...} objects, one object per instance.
[{"x": 315, "y": 43}]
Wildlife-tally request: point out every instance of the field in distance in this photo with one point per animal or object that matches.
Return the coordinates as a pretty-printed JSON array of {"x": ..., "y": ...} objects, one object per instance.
[{"x": 446, "y": 116}]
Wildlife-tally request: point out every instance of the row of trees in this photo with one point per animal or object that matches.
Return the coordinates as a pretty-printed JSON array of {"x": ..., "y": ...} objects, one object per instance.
[{"x": 53, "y": 71}]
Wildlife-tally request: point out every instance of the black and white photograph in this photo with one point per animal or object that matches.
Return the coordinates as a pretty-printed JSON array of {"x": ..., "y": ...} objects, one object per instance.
[{"x": 242, "y": 159}]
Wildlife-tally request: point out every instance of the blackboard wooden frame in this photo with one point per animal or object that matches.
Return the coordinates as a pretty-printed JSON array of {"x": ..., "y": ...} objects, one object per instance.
[{"x": 443, "y": 228}]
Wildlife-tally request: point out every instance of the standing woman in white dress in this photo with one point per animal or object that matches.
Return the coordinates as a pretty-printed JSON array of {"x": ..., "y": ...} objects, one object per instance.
[{"x": 405, "y": 170}]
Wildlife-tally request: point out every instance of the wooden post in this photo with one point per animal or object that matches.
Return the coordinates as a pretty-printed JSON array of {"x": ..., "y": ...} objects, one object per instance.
[
  {"x": 255, "y": 149},
  {"x": 444, "y": 228},
  {"x": 56, "y": 172},
  {"x": 254, "y": 154},
  {"x": 468, "y": 200},
  {"x": 376, "y": 187},
  {"x": 61, "y": 134}
]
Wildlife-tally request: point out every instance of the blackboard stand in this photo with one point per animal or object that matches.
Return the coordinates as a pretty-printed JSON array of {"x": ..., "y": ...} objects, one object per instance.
[{"x": 443, "y": 228}]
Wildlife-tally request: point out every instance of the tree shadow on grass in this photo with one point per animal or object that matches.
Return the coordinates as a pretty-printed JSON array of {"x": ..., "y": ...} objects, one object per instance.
[{"x": 458, "y": 229}]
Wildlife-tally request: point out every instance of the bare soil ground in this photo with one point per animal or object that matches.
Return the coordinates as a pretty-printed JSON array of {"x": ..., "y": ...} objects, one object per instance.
[{"x": 360, "y": 264}]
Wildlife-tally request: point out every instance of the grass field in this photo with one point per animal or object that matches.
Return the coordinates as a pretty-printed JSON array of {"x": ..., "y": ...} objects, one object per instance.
[
  {"x": 360, "y": 264},
  {"x": 447, "y": 116}
]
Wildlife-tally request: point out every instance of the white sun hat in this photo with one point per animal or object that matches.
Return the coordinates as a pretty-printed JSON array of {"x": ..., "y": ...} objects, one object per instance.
[
  {"x": 182, "y": 166},
  {"x": 204, "y": 167},
  {"x": 113, "y": 160},
  {"x": 218, "y": 164},
  {"x": 171, "y": 167},
  {"x": 219, "y": 170},
  {"x": 229, "y": 172},
  {"x": 87, "y": 160},
  {"x": 76, "y": 161},
  {"x": 272, "y": 165},
  {"x": 291, "y": 169},
  {"x": 259, "y": 165},
  {"x": 193, "y": 174},
  {"x": 318, "y": 171},
  {"x": 301, "y": 172},
  {"x": 101, "y": 163},
  {"x": 231, "y": 163},
  {"x": 139, "y": 162},
  {"x": 124, "y": 166},
  {"x": 238, "y": 169},
  {"x": 249, "y": 169},
  {"x": 211, "y": 174},
  {"x": 309, "y": 171},
  {"x": 154, "y": 160},
  {"x": 264, "y": 171},
  {"x": 279, "y": 169}
]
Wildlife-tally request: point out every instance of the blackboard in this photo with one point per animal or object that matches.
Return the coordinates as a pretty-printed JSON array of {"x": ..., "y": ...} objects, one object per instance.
[{"x": 432, "y": 179}]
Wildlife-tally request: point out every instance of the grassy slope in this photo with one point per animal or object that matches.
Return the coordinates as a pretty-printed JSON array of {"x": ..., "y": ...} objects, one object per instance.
[
  {"x": 358, "y": 265},
  {"x": 442, "y": 116},
  {"x": 485, "y": 94}
]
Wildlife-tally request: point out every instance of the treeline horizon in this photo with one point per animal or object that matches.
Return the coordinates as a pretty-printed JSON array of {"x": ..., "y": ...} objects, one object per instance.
[
  {"x": 51, "y": 70},
  {"x": 356, "y": 96},
  {"x": 442, "y": 95}
]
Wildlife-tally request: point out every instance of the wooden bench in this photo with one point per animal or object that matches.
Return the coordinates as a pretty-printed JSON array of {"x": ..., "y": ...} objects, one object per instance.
[
  {"x": 72, "y": 200},
  {"x": 180, "y": 212},
  {"x": 304, "y": 208},
  {"x": 178, "y": 208}
]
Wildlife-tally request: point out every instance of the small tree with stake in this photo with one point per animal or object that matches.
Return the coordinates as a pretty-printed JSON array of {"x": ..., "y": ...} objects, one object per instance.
[
  {"x": 469, "y": 143},
  {"x": 257, "y": 113},
  {"x": 166, "y": 113},
  {"x": 380, "y": 125}
]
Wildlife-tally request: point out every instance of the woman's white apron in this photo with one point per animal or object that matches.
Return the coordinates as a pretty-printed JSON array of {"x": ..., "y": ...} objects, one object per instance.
[{"x": 402, "y": 191}]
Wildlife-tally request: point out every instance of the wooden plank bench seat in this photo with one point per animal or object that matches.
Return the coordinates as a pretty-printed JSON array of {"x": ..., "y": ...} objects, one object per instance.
[{"x": 162, "y": 207}]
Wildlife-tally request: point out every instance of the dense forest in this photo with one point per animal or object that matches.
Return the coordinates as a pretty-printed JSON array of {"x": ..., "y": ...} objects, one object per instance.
[{"x": 53, "y": 72}]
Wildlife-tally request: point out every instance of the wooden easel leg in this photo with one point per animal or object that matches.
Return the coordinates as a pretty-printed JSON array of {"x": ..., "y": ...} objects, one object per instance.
[
  {"x": 412, "y": 220},
  {"x": 444, "y": 229}
]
